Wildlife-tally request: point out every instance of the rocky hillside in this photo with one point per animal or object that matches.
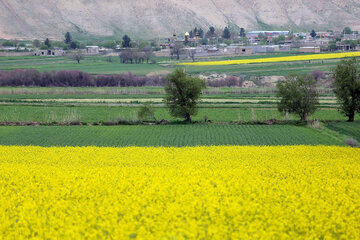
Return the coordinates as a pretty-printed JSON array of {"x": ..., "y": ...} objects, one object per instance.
[{"x": 159, "y": 18}]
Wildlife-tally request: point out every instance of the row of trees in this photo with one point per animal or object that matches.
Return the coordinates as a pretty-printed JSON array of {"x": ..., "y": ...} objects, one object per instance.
[
  {"x": 32, "y": 77},
  {"x": 298, "y": 94},
  {"x": 136, "y": 56}
]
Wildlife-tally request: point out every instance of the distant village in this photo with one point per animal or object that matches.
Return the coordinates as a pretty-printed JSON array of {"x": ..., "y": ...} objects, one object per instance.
[{"x": 196, "y": 43}]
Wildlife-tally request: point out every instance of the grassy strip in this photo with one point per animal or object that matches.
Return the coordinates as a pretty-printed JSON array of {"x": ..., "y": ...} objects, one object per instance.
[{"x": 61, "y": 113}]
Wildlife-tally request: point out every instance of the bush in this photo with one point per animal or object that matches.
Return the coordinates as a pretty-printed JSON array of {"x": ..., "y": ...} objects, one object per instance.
[
  {"x": 147, "y": 113},
  {"x": 32, "y": 77}
]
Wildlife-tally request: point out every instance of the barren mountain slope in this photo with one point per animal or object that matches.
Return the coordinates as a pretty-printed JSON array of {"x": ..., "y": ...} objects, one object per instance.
[{"x": 153, "y": 18}]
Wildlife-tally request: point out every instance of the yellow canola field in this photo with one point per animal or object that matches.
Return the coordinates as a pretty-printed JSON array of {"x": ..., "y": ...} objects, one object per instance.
[
  {"x": 290, "y": 192},
  {"x": 276, "y": 59}
]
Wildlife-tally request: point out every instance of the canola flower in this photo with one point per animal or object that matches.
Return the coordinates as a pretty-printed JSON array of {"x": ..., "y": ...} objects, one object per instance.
[
  {"x": 276, "y": 59},
  {"x": 285, "y": 192}
]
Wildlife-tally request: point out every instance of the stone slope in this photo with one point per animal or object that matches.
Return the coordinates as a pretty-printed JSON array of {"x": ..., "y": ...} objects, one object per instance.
[{"x": 160, "y": 18}]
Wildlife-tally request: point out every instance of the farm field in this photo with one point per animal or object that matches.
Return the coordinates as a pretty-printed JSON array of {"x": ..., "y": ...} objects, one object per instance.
[
  {"x": 99, "y": 65},
  {"x": 167, "y": 135},
  {"x": 349, "y": 129},
  {"x": 292, "y": 192},
  {"x": 278, "y": 59},
  {"x": 90, "y": 114}
]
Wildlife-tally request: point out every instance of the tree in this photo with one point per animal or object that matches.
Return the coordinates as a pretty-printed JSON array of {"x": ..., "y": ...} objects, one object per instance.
[
  {"x": 201, "y": 33},
  {"x": 226, "y": 33},
  {"x": 279, "y": 39},
  {"x": 332, "y": 46},
  {"x": 192, "y": 53},
  {"x": 210, "y": 33},
  {"x": 313, "y": 33},
  {"x": 298, "y": 95},
  {"x": 182, "y": 94},
  {"x": 242, "y": 32},
  {"x": 148, "y": 53},
  {"x": 126, "y": 42},
  {"x": 146, "y": 113},
  {"x": 176, "y": 49},
  {"x": 73, "y": 45},
  {"x": 36, "y": 43},
  {"x": 347, "y": 30},
  {"x": 47, "y": 43},
  {"x": 68, "y": 38},
  {"x": 78, "y": 56},
  {"x": 347, "y": 87}
]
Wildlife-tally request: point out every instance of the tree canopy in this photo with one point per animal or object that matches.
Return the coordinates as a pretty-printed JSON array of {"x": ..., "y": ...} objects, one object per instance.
[
  {"x": 298, "y": 95},
  {"x": 126, "y": 42},
  {"x": 182, "y": 94},
  {"x": 226, "y": 33},
  {"x": 68, "y": 38},
  {"x": 313, "y": 33},
  {"x": 347, "y": 87}
]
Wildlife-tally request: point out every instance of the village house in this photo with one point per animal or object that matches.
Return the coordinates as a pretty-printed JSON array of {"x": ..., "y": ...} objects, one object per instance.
[
  {"x": 52, "y": 52},
  {"x": 92, "y": 50},
  {"x": 310, "y": 49}
]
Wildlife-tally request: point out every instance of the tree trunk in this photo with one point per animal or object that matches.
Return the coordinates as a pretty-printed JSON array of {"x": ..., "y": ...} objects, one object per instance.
[
  {"x": 188, "y": 117},
  {"x": 78, "y": 61},
  {"x": 303, "y": 117},
  {"x": 351, "y": 116}
]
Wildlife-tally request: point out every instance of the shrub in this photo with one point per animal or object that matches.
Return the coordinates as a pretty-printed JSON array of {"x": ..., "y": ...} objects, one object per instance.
[{"x": 146, "y": 113}]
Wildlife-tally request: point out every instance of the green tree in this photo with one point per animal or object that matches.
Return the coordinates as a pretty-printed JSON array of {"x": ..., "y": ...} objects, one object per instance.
[
  {"x": 347, "y": 87},
  {"x": 298, "y": 95},
  {"x": 226, "y": 33},
  {"x": 332, "y": 46},
  {"x": 347, "y": 30},
  {"x": 9, "y": 44},
  {"x": 36, "y": 43},
  {"x": 47, "y": 43},
  {"x": 313, "y": 33},
  {"x": 74, "y": 45},
  {"x": 182, "y": 94},
  {"x": 68, "y": 38},
  {"x": 126, "y": 42},
  {"x": 242, "y": 32},
  {"x": 279, "y": 39},
  {"x": 201, "y": 33}
]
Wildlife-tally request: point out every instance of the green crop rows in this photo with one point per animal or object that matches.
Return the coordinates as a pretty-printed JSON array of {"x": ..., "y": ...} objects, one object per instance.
[{"x": 167, "y": 135}]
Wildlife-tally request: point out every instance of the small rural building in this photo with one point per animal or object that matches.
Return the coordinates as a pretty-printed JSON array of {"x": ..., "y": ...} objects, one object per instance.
[
  {"x": 310, "y": 49},
  {"x": 284, "y": 48},
  {"x": 92, "y": 49},
  {"x": 212, "y": 50},
  {"x": 265, "y": 49},
  {"x": 54, "y": 53},
  {"x": 238, "y": 50}
]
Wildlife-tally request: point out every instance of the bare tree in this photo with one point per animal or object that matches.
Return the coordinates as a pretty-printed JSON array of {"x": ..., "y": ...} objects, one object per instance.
[
  {"x": 148, "y": 54},
  {"x": 176, "y": 49},
  {"x": 78, "y": 56},
  {"x": 192, "y": 53}
]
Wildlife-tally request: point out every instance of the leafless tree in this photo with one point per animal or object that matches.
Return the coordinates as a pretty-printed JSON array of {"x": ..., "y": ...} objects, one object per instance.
[
  {"x": 176, "y": 50},
  {"x": 78, "y": 56},
  {"x": 192, "y": 53}
]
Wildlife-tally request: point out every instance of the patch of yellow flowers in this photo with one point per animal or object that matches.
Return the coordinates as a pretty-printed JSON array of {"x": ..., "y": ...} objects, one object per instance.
[
  {"x": 276, "y": 59},
  {"x": 289, "y": 192}
]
